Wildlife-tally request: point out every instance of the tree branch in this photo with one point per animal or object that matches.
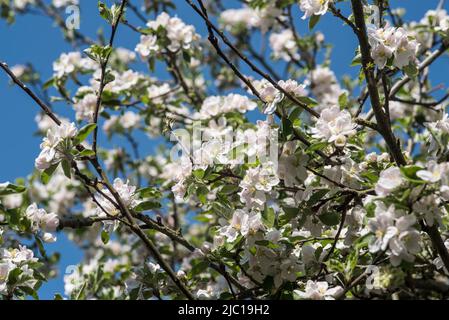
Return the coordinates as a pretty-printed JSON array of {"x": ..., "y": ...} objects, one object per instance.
[{"x": 368, "y": 68}]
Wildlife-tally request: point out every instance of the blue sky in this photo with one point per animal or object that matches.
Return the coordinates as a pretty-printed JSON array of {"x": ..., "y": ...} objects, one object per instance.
[{"x": 34, "y": 39}]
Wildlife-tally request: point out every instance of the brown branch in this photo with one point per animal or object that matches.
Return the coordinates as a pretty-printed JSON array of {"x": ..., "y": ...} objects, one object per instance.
[
  {"x": 383, "y": 125},
  {"x": 47, "y": 110},
  {"x": 212, "y": 28},
  {"x": 103, "y": 67}
]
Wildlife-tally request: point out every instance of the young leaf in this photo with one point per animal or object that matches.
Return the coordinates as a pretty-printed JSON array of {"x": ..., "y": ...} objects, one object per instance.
[
  {"x": 66, "y": 168},
  {"x": 47, "y": 173},
  {"x": 104, "y": 236},
  {"x": 84, "y": 132},
  {"x": 313, "y": 21},
  {"x": 147, "y": 205}
]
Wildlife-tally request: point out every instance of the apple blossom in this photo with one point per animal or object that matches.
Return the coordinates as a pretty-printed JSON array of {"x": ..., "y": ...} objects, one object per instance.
[
  {"x": 389, "y": 180},
  {"x": 335, "y": 126},
  {"x": 314, "y": 7},
  {"x": 319, "y": 290}
]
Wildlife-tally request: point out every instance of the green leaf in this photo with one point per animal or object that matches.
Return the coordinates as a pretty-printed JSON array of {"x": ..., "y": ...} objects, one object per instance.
[
  {"x": 47, "y": 173},
  {"x": 308, "y": 101},
  {"x": 313, "y": 21},
  {"x": 11, "y": 189},
  {"x": 317, "y": 196},
  {"x": 289, "y": 214},
  {"x": 199, "y": 173},
  {"x": 40, "y": 246},
  {"x": 29, "y": 291},
  {"x": 81, "y": 294},
  {"x": 411, "y": 70},
  {"x": 13, "y": 276},
  {"x": 317, "y": 146},
  {"x": 105, "y": 12},
  {"x": 294, "y": 115},
  {"x": 343, "y": 100},
  {"x": 229, "y": 188},
  {"x": 202, "y": 192},
  {"x": 87, "y": 153},
  {"x": 104, "y": 236},
  {"x": 84, "y": 132},
  {"x": 58, "y": 296},
  {"x": 147, "y": 205},
  {"x": 149, "y": 192},
  {"x": 66, "y": 168},
  {"x": 287, "y": 127},
  {"x": 330, "y": 218},
  {"x": 199, "y": 267},
  {"x": 49, "y": 83},
  {"x": 108, "y": 78},
  {"x": 409, "y": 172},
  {"x": 357, "y": 60},
  {"x": 268, "y": 217}
]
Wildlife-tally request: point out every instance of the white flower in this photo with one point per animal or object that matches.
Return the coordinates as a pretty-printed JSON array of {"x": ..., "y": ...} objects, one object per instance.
[
  {"x": 5, "y": 268},
  {"x": 443, "y": 123},
  {"x": 179, "y": 34},
  {"x": 67, "y": 64},
  {"x": 123, "y": 81},
  {"x": 126, "y": 193},
  {"x": 158, "y": 94},
  {"x": 406, "y": 240},
  {"x": 381, "y": 225},
  {"x": 313, "y": 7},
  {"x": 269, "y": 94},
  {"x": 50, "y": 153},
  {"x": 179, "y": 190},
  {"x": 85, "y": 108},
  {"x": 18, "y": 256},
  {"x": 433, "y": 173},
  {"x": 266, "y": 90},
  {"x": 293, "y": 87},
  {"x": 234, "y": 19},
  {"x": 389, "y": 180},
  {"x": 239, "y": 103},
  {"x": 395, "y": 232},
  {"x": 124, "y": 55},
  {"x": 319, "y": 290},
  {"x": 66, "y": 130},
  {"x": 388, "y": 42},
  {"x": 429, "y": 207},
  {"x": 44, "y": 122},
  {"x": 64, "y": 3},
  {"x": 291, "y": 165},
  {"x": 242, "y": 223},
  {"x": 215, "y": 105},
  {"x": 405, "y": 49},
  {"x": 256, "y": 183},
  {"x": 147, "y": 46},
  {"x": 333, "y": 124},
  {"x": 284, "y": 45},
  {"x": 19, "y": 70},
  {"x": 130, "y": 120},
  {"x": 21, "y": 4},
  {"x": 398, "y": 110},
  {"x": 381, "y": 54},
  {"x": 41, "y": 220}
]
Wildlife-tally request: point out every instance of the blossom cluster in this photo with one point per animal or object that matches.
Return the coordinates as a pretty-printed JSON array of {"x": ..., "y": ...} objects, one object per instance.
[
  {"x": 179, "y": 35},
  {"x": 392, "y": 43},
  {"x": 41, "y": 220},
  {"x": 56, "y": 145}
]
